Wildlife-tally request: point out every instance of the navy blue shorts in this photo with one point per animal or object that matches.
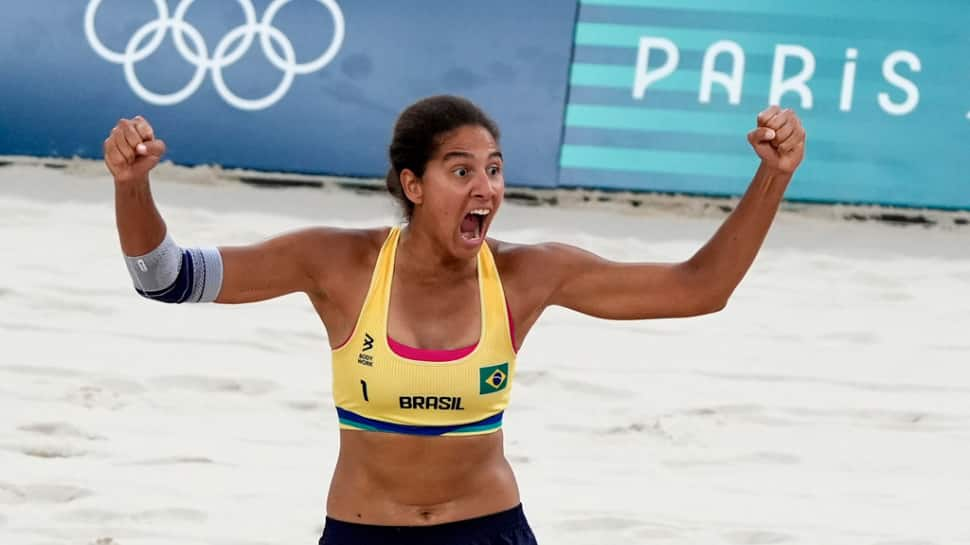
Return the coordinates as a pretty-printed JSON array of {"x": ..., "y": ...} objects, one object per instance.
[{"x": 505, "y": 528}]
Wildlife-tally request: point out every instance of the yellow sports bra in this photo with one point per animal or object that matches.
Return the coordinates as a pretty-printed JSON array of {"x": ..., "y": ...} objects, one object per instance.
[{"x": 376, "y": 388}]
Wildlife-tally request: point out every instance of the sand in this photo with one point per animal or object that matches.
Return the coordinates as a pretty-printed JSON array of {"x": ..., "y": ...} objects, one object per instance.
[{"x": 829, "y": 403}]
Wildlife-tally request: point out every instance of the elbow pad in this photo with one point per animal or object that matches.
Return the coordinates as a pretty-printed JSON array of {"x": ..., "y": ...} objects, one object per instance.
[{"x": 172, "y": 274}]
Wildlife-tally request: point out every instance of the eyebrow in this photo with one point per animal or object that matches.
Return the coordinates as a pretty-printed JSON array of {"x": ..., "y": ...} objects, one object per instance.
[{"x": 467, "y": 155}]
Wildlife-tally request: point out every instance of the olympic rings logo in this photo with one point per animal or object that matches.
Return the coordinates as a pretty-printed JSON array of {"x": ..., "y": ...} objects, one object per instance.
[{"x": 154, "y": 33}]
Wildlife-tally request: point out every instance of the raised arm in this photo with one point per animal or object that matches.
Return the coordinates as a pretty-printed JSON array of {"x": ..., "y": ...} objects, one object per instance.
[
  {"x": 704, "y": 283},
  {"x": 164, "y": 271}
]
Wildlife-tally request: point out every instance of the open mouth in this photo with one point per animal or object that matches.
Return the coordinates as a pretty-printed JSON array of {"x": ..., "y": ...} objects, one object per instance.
[{"x": 473, "y": 224}]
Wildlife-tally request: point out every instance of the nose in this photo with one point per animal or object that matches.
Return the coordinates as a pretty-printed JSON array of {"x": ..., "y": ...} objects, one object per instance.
[{"x": 483, "y": 186}]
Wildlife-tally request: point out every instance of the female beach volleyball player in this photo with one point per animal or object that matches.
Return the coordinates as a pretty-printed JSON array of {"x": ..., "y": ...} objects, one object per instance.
[{"x": 424, "y": 320}]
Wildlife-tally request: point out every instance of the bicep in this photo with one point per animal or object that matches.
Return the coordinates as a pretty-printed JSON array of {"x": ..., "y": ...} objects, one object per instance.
[
  {"x": 602, "y": 288},
  {"x": 272, "y": 268}
]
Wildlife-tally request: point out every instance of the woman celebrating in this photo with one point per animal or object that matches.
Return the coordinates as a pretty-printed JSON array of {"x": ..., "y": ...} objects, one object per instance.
[{"x": 424, "y": 320}]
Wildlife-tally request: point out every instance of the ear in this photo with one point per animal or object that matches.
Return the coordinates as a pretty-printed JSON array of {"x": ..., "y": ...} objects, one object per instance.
[{"x": 412, "y": 186}]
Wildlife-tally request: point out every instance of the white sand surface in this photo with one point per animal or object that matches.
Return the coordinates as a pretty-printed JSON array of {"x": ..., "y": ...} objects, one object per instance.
[{"x": 828, "y": 404}]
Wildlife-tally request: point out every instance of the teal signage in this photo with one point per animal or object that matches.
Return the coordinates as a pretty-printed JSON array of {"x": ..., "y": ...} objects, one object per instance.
[{"x": 663, "y": 92}]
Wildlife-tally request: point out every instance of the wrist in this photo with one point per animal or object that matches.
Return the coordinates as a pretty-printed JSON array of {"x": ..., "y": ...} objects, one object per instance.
[
  {"x": 125, "y": 180},
  {"x": 775, "y": 172},
  {"x": 771, "y": 180},
  {"x": 131, "y": 185}
]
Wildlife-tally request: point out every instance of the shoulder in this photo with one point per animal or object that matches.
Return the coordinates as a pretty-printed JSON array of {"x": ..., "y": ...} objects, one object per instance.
[
  {"x": 531, "y": 274},
  {"x": 510, "y": 256},
  {"x": 351, "y": 241},
  {"x": 327, "y": 248},
  {"x": 540, "y": 264},
  {"x": 335, "y": 258}
]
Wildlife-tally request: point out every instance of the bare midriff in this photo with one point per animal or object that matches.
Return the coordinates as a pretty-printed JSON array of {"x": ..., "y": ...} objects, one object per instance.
[{"x": 405, "y": 480}]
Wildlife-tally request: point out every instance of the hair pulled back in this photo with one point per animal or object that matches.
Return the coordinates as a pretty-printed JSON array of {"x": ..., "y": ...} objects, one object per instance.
[{"x": 418, "y": 132}]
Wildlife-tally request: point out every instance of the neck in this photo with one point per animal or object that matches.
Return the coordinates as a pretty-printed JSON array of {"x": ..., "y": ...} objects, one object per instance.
[{"x": 420, "y": 253}]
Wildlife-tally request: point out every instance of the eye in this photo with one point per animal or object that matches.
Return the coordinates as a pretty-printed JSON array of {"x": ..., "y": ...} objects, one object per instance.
[
  {"x": 461, "y": 172},
  {"x": 494, "y": 170}
]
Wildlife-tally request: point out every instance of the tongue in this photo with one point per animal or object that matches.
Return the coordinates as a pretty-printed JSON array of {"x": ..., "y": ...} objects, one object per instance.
[{"x": 469, "y": 226}]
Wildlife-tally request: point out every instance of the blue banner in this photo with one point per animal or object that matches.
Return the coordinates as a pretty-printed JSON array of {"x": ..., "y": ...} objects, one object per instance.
[
  {"x": 304, "y": 86},
  {"x": 663, "y": 92}
]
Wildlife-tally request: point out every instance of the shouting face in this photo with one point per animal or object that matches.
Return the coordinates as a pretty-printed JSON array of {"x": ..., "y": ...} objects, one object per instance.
[{"x": 460, "y": 192}]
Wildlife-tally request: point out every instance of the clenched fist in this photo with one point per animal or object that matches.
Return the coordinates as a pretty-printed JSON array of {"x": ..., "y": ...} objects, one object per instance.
[
  {"x": 131, "y": 150},
  {"x": 779, "y": 139}
]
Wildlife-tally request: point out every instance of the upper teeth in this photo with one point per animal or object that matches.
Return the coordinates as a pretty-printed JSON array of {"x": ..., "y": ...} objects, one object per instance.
[{"x": 481, "y": 211}]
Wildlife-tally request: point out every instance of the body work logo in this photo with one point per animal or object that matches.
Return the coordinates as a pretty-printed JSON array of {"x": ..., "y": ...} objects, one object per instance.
[
  {"x": 493, "y": 378},
  {"x": 366, "y": 359},
  {"x": 147, "y": 40}
]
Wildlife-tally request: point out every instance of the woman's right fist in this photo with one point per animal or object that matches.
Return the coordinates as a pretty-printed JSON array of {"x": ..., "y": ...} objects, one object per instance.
[{"x": 131, "y": 150}]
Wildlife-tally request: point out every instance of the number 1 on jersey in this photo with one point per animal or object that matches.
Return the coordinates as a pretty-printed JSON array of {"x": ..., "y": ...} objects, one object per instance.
[{"x": 363, "y": 388}]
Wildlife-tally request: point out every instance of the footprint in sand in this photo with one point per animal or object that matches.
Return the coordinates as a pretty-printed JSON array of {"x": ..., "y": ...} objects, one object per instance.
[
  {"x": 47, "y": 449},
  {"x": 301, "y": 405},
  {"x": 60, "y": 430},
  {"x": 175, "y": 460},
  {"x": 40, "y": 493},
  {"x": 207, "y": 385},
  {"x": 95, "y": 397},
  {"x": 756, "y": 537},
  {"x": 105, "y": 393},
  {"x": 654, "y": 429}
]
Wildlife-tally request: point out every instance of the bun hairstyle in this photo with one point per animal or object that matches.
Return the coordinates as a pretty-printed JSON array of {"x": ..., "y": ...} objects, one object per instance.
[{"x": 417, "y": 135}]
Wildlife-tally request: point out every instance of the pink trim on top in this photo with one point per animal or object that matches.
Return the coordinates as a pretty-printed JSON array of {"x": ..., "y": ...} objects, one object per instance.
[
  {"x": 424, "y": 354},
  {"x": 437, "y": 356}
]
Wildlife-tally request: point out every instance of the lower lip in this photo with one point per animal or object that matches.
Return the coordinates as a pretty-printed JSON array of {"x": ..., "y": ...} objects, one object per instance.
[{"x": 471, "y": 242}]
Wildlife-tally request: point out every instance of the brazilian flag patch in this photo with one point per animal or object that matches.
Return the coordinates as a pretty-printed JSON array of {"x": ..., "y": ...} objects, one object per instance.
[{"x": 493, "y": 378}]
